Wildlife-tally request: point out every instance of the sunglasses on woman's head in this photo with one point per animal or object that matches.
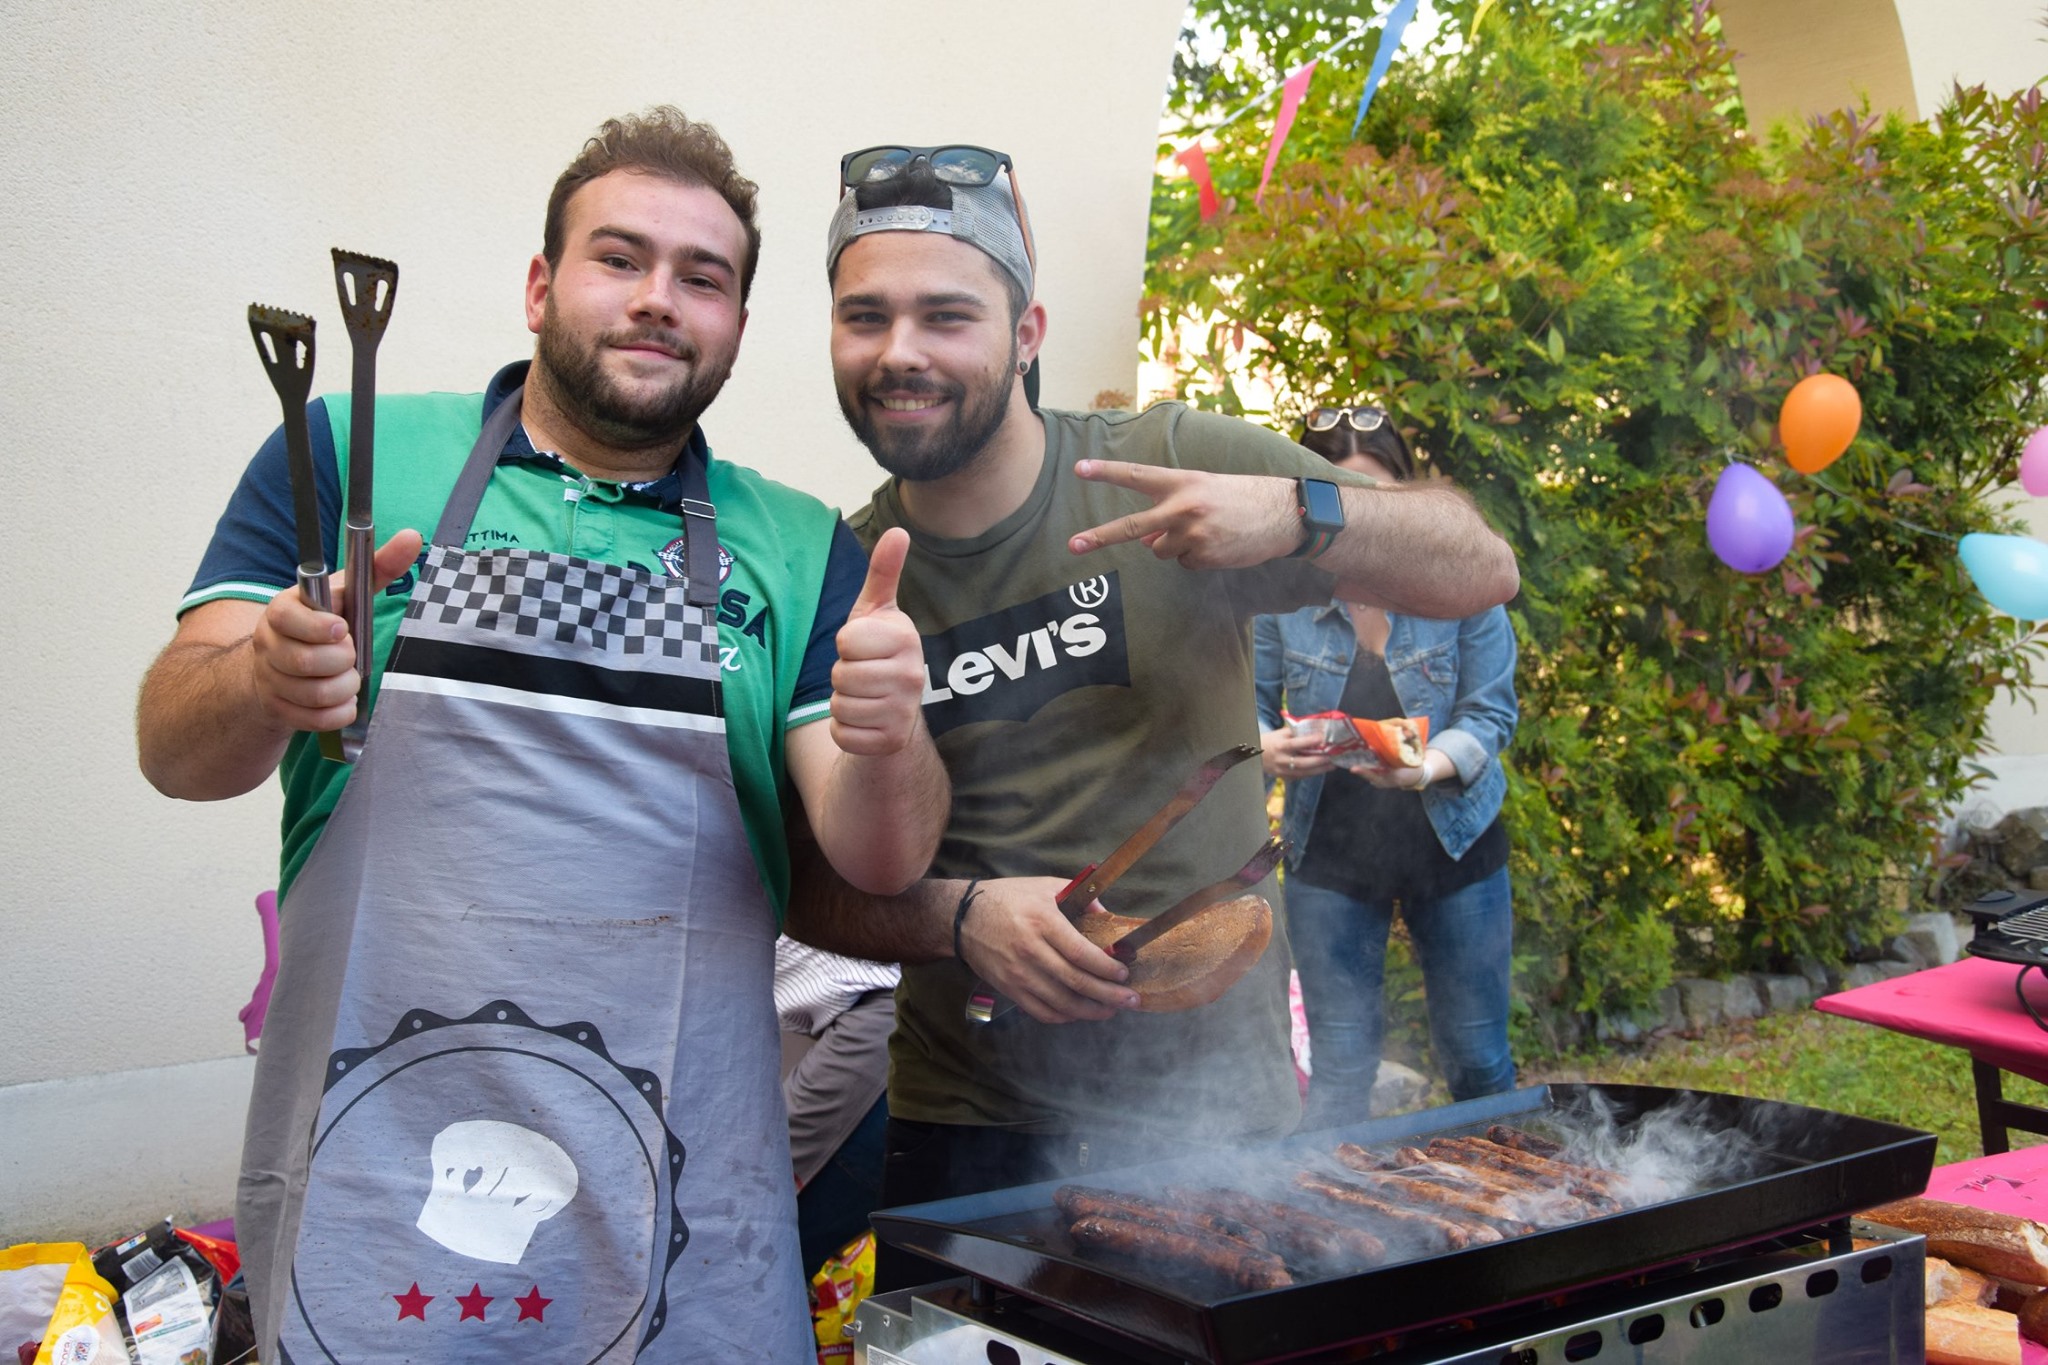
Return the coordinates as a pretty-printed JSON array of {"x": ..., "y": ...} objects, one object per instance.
[
  {"x": 955, "y": 164},
  {"x": 1358, "y": 419}
]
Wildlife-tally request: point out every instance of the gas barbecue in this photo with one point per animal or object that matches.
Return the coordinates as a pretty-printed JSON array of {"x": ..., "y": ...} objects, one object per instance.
[{"x": 1752, "y": 1262}]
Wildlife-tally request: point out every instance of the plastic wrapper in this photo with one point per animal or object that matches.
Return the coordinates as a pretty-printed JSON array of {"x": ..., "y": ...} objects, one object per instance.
[
  {"x": 55, "y": 1309},
  {"x": 1357, "y": 743},
  {"x": 836, "y": 1290},
  {"x": 169, "y": 1287}
]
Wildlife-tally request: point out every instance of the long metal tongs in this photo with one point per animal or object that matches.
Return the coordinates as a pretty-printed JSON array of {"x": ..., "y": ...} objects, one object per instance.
[
  {"x": 983, "y": 1004},
  {"x": 284, "y": 342},
  {"x": 366, "y": 286}
]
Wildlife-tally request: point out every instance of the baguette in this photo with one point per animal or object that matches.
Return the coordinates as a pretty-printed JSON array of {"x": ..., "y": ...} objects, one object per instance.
[
  {"x": 2034, "y": 1318},
  {"x": 1976, "y": 1239},
  {"x": 1965, "y": 1334},
  {"x": 1952, "y": 1284}
]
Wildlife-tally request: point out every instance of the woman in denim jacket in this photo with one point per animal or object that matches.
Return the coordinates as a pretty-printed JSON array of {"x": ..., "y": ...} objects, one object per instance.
[{"x": 1428, "y": 840}]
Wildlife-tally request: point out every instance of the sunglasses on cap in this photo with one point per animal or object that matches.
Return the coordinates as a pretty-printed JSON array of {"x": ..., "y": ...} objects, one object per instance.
[
  {"x": 1358, "y": 419},
  {"x": 954, "y": 164}
]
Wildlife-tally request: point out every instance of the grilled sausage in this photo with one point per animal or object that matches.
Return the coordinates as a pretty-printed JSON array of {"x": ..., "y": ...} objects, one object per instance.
[
  {"x": 1580, "y": 1180},
  {"x": 1365, "y": 1159},
  {"x": 1082, "y": 1201},
  {"x": 1244, "y": 1267},
  {"x": 1451, "y": 1234},
  {"x": 1304, "y": 1240},
  {"x": 1445, "y": 1199},
  {"x": 1524, "y": 1142},
  {"x": 1540, "y": 1200}
]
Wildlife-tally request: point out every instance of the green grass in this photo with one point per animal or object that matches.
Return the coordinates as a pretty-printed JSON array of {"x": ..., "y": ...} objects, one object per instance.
[{"x": 1818, "y": 1060}]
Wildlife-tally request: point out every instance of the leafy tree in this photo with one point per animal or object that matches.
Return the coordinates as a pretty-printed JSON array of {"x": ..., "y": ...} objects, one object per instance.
[{"x": 1583, "y": 285}]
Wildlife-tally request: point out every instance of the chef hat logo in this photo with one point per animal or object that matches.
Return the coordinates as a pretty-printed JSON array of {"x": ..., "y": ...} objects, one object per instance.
[{"x": 494, "y": 1183}]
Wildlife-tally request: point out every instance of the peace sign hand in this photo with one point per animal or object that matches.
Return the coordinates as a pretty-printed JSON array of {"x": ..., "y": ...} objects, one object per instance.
[{"x": 1204, "y": 520}]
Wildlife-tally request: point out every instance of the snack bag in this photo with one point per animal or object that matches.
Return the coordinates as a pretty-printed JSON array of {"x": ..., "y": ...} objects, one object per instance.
[
  {"x": 836, "y": 1290},
  {"x": 55, "y": 1309},
  {"x": 1355, "y": 742}
]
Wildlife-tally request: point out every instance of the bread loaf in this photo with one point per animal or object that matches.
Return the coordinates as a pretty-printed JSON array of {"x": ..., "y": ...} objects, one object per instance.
[
  {"x": 1952, "y": 1284},
  {"x": 1965, "y": 1334},
  {"x": 1194, "y": 962},
  {"x": 2034, "y": 1318},
  {"x": 1993, "y": 1243}
]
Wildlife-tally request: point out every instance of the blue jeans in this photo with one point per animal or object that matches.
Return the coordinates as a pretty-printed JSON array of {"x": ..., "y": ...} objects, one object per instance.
[{"x": 1340, "y": 948}]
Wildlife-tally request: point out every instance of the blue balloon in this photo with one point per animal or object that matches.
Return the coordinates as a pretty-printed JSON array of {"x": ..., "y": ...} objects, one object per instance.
[
  {"x": 1749, "y": 523},
  {"x": 2011, "y": 572}
]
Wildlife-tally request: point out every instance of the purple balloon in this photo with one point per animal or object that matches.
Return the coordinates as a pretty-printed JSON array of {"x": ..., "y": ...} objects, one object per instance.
[
  {"x": 2034, "y": 463},
  {"x": 1749, "y": 523}
]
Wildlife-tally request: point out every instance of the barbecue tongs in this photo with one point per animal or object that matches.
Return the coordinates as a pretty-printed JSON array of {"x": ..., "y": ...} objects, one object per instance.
[
  {"x": 284, "y": 342},
  {"x": 983, "y": 1004},
  {"x": 366, "y": 286}
]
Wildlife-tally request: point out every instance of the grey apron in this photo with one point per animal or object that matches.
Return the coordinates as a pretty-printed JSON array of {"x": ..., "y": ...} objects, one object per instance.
[{"x": 517, "y": 1097}]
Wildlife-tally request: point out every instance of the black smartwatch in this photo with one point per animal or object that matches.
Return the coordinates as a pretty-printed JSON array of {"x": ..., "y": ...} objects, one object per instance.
[{"x": 1322, "y": 516}]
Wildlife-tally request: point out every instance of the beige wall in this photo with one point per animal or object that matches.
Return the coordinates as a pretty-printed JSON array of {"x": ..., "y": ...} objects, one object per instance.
[{"x": 169, "y": 163}]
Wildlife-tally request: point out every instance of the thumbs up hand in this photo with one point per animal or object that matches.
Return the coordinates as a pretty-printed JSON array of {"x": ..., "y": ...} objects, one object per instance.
[{"x": 878, "y": 683}]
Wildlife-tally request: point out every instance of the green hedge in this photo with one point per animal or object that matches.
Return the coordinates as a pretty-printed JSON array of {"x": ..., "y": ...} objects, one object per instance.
[{"x": 1584, "y": 284}]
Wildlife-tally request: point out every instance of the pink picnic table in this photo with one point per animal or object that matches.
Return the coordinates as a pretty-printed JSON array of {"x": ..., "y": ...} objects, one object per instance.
[{"x": 1970, "y": 1004}]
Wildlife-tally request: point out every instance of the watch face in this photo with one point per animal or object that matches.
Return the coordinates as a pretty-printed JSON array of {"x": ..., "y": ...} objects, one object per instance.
[{"x": 1322, "y": 508}]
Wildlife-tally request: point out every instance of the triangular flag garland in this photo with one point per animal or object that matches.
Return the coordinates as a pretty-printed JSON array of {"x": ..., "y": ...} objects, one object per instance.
[
  {"x": 1290, "y": 101},
  {"x": 1196, "y": 163},
  {"x": 1195, "y": 160},
  {"x": 1390, "y": 43}
]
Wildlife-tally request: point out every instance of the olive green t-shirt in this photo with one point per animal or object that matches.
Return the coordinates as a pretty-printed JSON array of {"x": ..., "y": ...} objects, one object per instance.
[{"x": 1070, "y": 696}]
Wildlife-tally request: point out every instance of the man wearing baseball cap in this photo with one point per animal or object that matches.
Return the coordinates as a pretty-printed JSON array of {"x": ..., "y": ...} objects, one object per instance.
[{"x": 1084, "y": 583}]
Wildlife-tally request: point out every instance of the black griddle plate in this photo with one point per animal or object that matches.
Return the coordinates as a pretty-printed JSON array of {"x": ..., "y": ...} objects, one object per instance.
[{"x": 1811, "y": 1166}]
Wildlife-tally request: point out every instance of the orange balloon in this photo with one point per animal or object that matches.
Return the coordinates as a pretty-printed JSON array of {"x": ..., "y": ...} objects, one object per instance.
[{"x": 1818, "y": 421}]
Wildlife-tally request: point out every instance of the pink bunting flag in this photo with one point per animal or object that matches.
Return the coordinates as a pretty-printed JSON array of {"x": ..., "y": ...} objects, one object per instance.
[
  {"x": 1290, "y": 100},
  {"x": 1196, "y": 162}
]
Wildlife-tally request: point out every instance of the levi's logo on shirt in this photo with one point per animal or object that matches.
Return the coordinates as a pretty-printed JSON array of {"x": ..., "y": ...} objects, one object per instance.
[{"x": 1010, "y": 663}]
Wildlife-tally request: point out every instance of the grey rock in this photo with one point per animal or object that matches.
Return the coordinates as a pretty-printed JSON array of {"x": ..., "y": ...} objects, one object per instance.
[
  {"x": 2021, "y": 841},
  {"x": 1670, "y": 1015},
  {"x": 1863, "y": 974},
  {"x": 1617, "y": 1028},
  {"x": 1906, "y": 948},
  {"x": 1701, "y": 1003},
  {"x": 1743, "y": 1001},
  {"x": 1934, "y": 939},
  {"x": 2037, "y": 879},
  {"x": 1397, "y": 1087},
  {"x": 1889, "y": 969},
  {"x": 1786, "y": 994},
  {"x": 1824, "y": 977}
]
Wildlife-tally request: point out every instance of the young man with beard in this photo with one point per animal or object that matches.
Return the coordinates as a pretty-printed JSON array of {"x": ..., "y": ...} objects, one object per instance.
[
  {"x": 1085, "y": 583},
  {"x": 518, "y": 1081}
]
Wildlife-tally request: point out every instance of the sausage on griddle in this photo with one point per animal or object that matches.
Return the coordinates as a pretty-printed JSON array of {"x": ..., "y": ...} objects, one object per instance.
[
  {"x": 1446, "y": 1200},
  {"x": 1536, "y": 1196},
  {"x": 1082, "y": 1201},
  {"x": 1524, "y": 1142},
  {"x": 1304, "y": 1240},
  {"x": 1451, "y": 1233},
  {"x": 1244, "y": 1266},
  {"x": 1579, "y": 1180}
]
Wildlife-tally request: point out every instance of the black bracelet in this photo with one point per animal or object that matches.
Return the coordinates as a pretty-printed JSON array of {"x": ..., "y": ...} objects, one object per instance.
[{"x": 960, "y": 918}]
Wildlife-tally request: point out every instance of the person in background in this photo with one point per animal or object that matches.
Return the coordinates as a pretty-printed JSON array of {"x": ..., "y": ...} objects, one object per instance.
[
  {"x": 834, "y": 1088},
  {"x": 1428, "y": 840}
]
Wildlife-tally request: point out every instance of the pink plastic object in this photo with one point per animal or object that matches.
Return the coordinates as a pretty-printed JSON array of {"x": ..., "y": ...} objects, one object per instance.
[{"x": 259, "y": 1000}]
